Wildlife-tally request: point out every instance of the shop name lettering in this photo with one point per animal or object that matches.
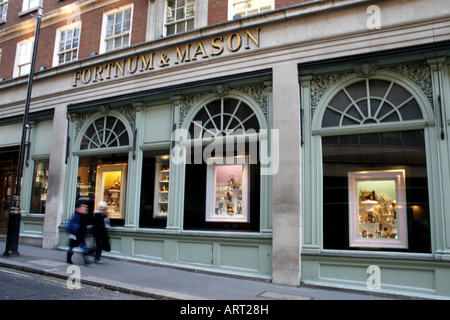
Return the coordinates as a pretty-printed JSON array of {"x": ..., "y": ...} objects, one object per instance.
[{"x": 183, "y": 54}]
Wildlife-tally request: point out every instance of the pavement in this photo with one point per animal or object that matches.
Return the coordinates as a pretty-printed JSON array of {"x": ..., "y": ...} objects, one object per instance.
[{"x": 168, "y": 283}]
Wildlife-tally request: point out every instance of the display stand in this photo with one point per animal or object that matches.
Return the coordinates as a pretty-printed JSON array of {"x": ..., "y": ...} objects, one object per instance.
[
  {"x": 227, "y": 194},
  {"x": 161, "y": 198}
]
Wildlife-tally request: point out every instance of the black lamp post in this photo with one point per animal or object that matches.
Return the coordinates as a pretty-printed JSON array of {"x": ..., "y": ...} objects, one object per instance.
[{"x": 12, "y": 238}]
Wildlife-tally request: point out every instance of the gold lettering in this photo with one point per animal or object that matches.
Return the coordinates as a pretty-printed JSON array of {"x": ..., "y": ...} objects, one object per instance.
[
  {"x": 164, "y": 61},
  {"x": 97, "y": 73},
  {"x": 108, "y": 70},
  {"x": 217, "y": 46},
  {"x": 86, "y": 76},
  {"x": 76, "y": 77},
  {"x": 119, "y": 67},
  {"x": 130, "y": 62},
  {"x": 252, "y": 37},
  {"x": 230, "y": 42},
  {"x": 200, "y": 50},
  {"x": 185, "y": 56},
  {"x": 147, "y": 64}
]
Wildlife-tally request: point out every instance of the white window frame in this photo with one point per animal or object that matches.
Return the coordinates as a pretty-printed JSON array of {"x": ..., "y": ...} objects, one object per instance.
[
  {"x": 175, "y": 21},
  {"x": 3, "y": 10},
  {"x": 104, "y": 39},
  {"x": 23, "y": 58},
  {"x": 28, "y": 5},
  {"x": 231, "y": 11},
  {"x": 57, "y": 53}
]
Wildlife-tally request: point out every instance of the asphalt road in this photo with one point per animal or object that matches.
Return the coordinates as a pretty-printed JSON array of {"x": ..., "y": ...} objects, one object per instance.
[{"x": 19, "y": 285}]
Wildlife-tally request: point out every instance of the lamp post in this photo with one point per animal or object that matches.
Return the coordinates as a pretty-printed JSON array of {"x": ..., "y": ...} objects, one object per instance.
[{"x": 12, "y": 238}]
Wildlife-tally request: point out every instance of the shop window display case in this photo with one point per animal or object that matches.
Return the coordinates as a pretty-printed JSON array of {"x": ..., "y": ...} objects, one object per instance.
[
  {"x": 377, "y": 203},
  {"x": 110, "y": 187},
  {"x": 227, "y": 198},
  {"x": 161, "y": 198}
]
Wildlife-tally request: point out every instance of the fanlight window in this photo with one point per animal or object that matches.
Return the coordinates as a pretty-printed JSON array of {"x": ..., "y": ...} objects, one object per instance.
[
  {"x": 105, "y": 132},
  {"x": 371, "y": 101},
  {"x": 223, "y": 117}
]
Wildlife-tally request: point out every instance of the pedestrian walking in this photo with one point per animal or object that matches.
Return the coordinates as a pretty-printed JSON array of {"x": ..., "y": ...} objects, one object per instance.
[
  {"x": 77, "y": 228},
  {"x": 100, "y": 231}
]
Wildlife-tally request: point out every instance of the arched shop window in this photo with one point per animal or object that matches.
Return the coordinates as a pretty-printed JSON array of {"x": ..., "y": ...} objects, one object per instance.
[
  {"x": 374, "y": 167},
  {"x": 105, "y": 132},
  {"x": 222, "y": 176},
  {"x": 102, "y": 174}
]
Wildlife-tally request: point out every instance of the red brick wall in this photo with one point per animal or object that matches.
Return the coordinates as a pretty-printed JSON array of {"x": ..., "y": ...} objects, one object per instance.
[
  {"x": 91, "y": 23},
  {"x": 91, "y": 28},
  {"x": 218, "y": 9}
]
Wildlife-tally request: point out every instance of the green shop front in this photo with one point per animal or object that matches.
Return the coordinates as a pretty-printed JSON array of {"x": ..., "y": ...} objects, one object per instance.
[
  {"x": 180, "y": 172},
  {"x": 376, "y": 173}
]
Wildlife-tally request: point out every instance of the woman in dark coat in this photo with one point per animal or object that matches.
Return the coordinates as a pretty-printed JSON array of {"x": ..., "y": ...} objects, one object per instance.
[
  {"x": 100, "y": 232},
  {"x": 77, "y": 238}
]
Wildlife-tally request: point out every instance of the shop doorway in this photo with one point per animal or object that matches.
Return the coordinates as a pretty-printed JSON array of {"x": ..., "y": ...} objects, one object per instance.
[{"x": 8, "y": 173}]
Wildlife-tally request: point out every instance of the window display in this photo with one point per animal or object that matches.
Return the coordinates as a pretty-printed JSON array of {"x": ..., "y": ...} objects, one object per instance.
[
  {"x": 110, "y": 186},
  {"x": 227, "y": 189},
  {"x": 40, "y": 184},
  {"x": 161, "y": 197},
  {"x": 377, "y": 209}
]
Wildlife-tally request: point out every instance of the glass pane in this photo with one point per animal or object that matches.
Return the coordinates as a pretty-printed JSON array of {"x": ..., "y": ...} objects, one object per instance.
[
  {"x": 127, "y": 15},
  {"x": 117, "y": 43},
  {"x": 126, "y": 26},
  {"x": 110, "y": 20},
  {"x": 125, "y": 40},
  {"x": 117, "y": 29},
  {"x": 171, "y": 29},
  {"x": 119, "y": 17},
  {"x": 109, "y": 32},
  {"x": 190, "y": 9},
  {"x": 180, "y": 13},
  {"x": 190, "y": 24},
  {"x": 109, "y": 44},
  {"x": 180, "y": 27}
]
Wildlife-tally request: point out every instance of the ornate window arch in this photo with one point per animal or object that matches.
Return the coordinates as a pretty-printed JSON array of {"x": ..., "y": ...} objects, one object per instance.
[
  {"x": 368, "y": 103},
  {"x": 371, "y": 101},
  {"x": 225, "y": 116},
  {"x": 106, "y": 131}
]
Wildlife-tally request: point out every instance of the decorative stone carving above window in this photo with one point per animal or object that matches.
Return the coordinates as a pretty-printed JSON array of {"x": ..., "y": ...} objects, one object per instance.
[
  {"x": 258, "y": 92},
  {"x": 419, "y": 73},
  {"x": 128, "y": 111}
]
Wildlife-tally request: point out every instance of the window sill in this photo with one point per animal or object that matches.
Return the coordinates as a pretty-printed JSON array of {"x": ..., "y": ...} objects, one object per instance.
[
  {"x": 23, "y": 13},
  {"x": 369, "y": 254}
]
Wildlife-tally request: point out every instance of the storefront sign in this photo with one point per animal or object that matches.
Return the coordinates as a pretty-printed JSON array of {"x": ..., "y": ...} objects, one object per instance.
[{"x": 181, "y": 54}]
